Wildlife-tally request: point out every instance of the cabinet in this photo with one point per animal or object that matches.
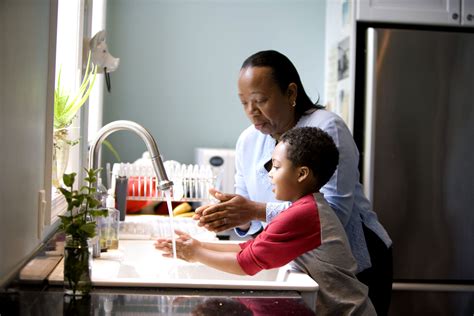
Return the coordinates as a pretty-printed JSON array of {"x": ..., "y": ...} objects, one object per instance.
[{"x": 427, "y": 12}]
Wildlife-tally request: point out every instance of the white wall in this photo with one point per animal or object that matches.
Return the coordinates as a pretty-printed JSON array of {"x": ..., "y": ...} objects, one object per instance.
[
  {"x": 340, "y": 36},
  {"x": 180, "y": 59}
]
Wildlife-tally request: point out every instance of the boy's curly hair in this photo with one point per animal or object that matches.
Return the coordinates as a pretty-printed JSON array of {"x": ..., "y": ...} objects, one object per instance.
[{"x": 313, "y": 148}]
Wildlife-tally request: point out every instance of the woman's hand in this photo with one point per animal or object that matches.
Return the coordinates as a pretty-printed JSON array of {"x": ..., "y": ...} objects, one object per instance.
[
  {"x": 186, "y": 247},
  {"x": 232, "y": 211}
]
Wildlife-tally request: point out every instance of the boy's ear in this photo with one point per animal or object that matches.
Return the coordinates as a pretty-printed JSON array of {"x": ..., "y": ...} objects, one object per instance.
[{"x": 303, "y": 173}]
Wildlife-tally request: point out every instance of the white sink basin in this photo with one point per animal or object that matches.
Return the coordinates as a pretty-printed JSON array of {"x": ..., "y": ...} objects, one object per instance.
[{"x": 138, "y": 264}]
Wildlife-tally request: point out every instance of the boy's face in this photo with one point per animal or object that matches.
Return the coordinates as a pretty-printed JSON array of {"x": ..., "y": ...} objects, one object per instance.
[{"x": 284, "y": 175}]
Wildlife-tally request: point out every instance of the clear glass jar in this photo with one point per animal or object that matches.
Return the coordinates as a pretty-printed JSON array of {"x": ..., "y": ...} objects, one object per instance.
[{"x": 77, "y": 266}]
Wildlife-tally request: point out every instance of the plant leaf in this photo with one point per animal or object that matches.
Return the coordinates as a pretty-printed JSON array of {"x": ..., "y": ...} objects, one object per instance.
[
  {"x": 69, "y": 179},
  {"x": 99, "y": 212},
  {"x": 82, "y": 205},
  {"x": 65, "y": 106},
  {"x": 89, "y": 228},
  {"x": 92, "y": 202},
  {"x": 108, "y": 144}
]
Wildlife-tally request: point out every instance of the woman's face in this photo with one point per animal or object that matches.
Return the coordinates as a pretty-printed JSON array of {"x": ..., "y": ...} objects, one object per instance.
[
  {"x": 284, "y": 175},
  {"x": 269, "y": 109}
]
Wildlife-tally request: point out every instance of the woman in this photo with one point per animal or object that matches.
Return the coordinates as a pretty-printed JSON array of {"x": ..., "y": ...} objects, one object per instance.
[{"x": 275, "y": 101}]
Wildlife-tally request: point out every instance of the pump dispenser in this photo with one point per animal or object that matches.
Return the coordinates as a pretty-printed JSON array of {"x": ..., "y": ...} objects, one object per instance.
[
  {"x": 113, "y": 220},
  {"x": 101, "y": 192}
]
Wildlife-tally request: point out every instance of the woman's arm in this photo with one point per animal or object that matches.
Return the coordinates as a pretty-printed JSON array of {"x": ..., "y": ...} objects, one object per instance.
[{"x": 339, "y": 191}]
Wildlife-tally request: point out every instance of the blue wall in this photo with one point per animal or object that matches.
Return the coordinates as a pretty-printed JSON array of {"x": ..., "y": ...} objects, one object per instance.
[{"x": 180, "y": 59}]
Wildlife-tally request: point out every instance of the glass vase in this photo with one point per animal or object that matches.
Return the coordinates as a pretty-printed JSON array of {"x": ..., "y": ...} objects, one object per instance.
[
  {"x": 77, "y": 267},
  {"x": 61, "y": 147}
]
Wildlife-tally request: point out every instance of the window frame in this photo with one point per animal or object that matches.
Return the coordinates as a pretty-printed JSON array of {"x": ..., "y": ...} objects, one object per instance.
[{"x": 78, "y": 154}]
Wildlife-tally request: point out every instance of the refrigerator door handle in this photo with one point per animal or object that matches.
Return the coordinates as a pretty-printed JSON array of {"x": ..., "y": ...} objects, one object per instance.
[
  {"x": 369, "y": 125},
  {"x": 405, "y": 286}
]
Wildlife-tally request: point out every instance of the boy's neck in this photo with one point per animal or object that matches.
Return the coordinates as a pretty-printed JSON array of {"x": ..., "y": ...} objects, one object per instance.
[{"x": 304, "y": 193}]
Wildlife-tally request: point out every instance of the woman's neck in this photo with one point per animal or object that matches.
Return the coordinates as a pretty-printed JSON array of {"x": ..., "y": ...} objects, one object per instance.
[{"x": 286, "y": 128}]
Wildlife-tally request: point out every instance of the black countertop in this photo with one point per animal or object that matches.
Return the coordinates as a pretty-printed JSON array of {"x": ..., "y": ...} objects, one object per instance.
[
  {"x": 112, "y": 301},
  {"x": 130, "y": 301}
]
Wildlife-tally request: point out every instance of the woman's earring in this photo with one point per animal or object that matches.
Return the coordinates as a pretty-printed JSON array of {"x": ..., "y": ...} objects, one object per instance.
[{"x": 294, "y": 103}]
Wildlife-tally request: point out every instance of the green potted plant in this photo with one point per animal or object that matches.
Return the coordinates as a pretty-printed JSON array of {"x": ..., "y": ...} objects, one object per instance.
[
  {"x": 79, "y": 227},
  {"x": 66, "y": 107}
]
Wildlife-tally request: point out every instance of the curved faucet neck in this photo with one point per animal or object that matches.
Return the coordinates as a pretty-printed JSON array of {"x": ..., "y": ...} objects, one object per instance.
[{"x": 104, "y": 132}]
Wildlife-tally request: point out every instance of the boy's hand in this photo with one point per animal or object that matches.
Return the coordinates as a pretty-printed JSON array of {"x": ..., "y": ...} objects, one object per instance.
[
  {"x": 186, "y": 247},
  {"x": 165, "y": 245}
]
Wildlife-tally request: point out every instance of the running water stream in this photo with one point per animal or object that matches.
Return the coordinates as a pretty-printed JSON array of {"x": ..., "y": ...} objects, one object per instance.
[{"x": 170, "y": 212}]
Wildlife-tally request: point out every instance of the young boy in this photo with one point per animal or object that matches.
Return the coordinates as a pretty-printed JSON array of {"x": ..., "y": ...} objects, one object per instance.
[{"x": 308, "y": 233}]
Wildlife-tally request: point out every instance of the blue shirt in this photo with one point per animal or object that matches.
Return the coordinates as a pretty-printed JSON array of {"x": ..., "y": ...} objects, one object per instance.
[{"x": 343, "y": 191}]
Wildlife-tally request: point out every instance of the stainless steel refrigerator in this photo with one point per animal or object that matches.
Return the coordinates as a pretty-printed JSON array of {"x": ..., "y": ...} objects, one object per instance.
[{"x": 414, "y": 124}]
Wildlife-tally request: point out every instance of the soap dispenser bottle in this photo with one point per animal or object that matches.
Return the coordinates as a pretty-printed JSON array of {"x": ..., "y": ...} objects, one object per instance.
[
  {"x": 113, "y": 221},
  {"x": 101, "y": 194}
]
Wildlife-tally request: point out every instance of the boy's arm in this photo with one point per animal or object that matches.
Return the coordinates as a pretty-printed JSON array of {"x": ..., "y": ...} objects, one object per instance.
[
  {"x": 216, "y": 255},
  {"x": 224, "y": 261},
  {"x": 221, "y": 246},
  {"x": 221, "y": 256}
]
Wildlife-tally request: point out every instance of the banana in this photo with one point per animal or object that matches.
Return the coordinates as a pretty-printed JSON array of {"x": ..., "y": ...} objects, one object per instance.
[
  {"x": 182, "y": 208},
  {"x": 188, "y": 214}
]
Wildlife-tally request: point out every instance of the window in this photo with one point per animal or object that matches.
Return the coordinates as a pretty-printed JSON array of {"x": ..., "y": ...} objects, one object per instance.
[
  {"x": 71, "y": 58},
  {"x": 69, "y": 72},
  {"x": 97, "y": 95}
]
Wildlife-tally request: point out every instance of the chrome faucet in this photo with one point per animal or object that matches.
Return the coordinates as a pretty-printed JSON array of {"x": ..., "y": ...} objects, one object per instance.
[
  {"x": 163, "y": 183},
  {"x": 162, "y": 179}
]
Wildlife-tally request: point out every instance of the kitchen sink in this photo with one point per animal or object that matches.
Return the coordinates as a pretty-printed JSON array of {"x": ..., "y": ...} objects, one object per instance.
[{"x": 138, "y": 264}]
